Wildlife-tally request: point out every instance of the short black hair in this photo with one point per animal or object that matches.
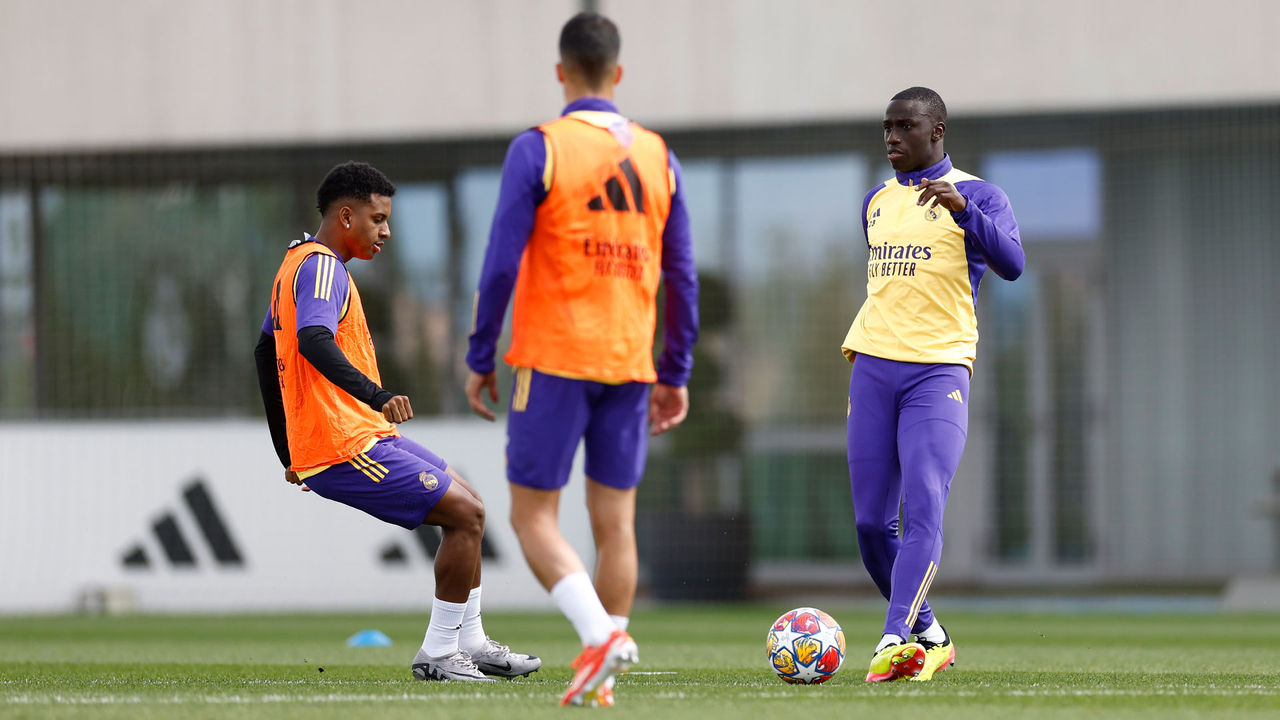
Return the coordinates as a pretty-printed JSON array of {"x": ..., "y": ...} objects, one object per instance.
[
  {"x": 932, "y": 101},
  {"x": 589, "y": 43},
  {"x": 355, "y": 180}
]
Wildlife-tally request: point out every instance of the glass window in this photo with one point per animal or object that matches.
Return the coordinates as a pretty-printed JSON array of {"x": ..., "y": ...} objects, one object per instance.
[
  {"x": 1006, "y": 346},
  {"x": 1055, "y": 194},
  {"x": 406, "y": 295},
  {"x": 1038, "y": 343},
  {"x": 796, "y": 277},
  {"x": 151, "y": 296},
  {"x": 1067, "y": 297},
  {"x": 17, "y": 305},
  {"x": 420, "y": 239},
  {"x": 704, "y": 196},
  {"x": 477, "y": 199},
  {"x": 477, "y": 189},
  {"x": 799, "y": 279}
]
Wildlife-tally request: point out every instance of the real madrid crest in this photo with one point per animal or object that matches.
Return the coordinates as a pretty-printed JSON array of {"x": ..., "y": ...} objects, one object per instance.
[
  {"x": 931, "y": 214},
  {"x": 428, "y": 480}
]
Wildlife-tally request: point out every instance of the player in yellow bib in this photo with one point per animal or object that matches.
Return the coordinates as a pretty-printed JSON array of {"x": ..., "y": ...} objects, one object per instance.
[{"x": 932, "y": 232}]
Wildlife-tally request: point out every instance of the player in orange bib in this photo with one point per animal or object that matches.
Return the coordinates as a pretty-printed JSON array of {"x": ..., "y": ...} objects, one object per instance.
[
  {"x": 332, "y": 422},
  {"x": 590, "y": 217}
]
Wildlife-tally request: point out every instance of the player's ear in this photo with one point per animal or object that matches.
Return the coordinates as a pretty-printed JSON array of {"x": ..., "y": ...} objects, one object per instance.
[
  {"x": 617, "y": 74},
  {"x": 560, "y": 73},
  {"x": 939, "y": 129}
]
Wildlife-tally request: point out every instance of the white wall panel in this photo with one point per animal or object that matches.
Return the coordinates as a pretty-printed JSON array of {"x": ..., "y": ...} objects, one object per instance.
[
  {"x": 147, "y": 73},
  {"x": 75, "y": 498}
]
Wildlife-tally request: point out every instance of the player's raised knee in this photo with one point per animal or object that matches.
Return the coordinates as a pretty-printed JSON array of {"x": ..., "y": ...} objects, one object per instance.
[
  {"x": 458, "y": 511},
  {"x": 470, "y": 516}
]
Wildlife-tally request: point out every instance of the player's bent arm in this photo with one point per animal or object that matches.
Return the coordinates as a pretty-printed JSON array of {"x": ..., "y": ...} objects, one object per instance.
[
  {"x": 397, "y": 409},
  {"x": 680, "y": 274},
  {"x": 988, "y": 222},
  {"x": 316, "y": 344},
  {"x": 264, "y": 356}
]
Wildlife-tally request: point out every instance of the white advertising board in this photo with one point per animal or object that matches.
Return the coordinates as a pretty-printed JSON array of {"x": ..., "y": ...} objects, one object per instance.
[{"x": 196, "y": 516}]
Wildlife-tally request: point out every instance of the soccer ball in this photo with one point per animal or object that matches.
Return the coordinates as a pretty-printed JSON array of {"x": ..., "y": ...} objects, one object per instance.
[{"x": 805, "y": 646}]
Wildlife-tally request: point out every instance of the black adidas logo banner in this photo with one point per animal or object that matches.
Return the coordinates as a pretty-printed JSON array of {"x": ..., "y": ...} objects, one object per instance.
[
  {"x": 198, "y": 528},
  {"x": 617, "y": 196},
  {"x": 176, "y": 546}
]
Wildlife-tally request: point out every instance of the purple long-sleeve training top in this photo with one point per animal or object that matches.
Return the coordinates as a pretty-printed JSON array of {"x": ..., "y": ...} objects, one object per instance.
[{"x": 989, "y": 227}]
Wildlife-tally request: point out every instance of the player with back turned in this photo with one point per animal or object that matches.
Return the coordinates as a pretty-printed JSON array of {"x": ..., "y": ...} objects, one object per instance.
[
  {"x": 932, "y": 231},
  {"x": 590, "y": 216},
  {"x": 332, "y": 422}
]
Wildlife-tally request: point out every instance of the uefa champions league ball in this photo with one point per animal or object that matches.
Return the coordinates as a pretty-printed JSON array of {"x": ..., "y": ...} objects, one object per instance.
[{"x": 805, "y": 646}]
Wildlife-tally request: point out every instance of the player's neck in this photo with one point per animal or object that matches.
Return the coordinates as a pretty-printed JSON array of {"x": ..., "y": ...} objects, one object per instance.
[
  {"x": 926, "y": 164},
  {"x": 330, "y": 238},
  {"x": 574, "y": 93}
]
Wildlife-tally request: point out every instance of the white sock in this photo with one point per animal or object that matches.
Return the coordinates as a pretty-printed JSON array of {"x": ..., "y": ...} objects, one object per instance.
[
  {"x": 472, "y": 637},
  {"x": 889, "y": 640},
  {"x": 442, "y": 629},
  {"x": 934, "y": 633},
  {"x": 576, "y": 597}
]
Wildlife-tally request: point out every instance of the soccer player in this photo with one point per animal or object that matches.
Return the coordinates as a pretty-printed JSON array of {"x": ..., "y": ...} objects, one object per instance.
[
  {"x": 332, "y": 422},
  {"x": 590, "y": 214},
  {"x": 932, "y": 231}
]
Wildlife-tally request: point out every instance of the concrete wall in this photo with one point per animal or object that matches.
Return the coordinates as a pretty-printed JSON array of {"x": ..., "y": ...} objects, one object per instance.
[{"x": 147, "y": 73}]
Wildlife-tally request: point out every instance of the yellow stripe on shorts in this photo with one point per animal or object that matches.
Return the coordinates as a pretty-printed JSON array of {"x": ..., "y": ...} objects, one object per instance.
[
  {"x": 520, "y": 399},
  {"x": 374, "y": 465},
  {"x": 359, "y": 467},
  {"x": 364, "y": 464}
]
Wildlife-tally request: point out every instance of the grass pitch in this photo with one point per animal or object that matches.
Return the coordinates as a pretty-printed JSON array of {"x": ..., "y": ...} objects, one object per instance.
[{"x": 703, "y": 662}]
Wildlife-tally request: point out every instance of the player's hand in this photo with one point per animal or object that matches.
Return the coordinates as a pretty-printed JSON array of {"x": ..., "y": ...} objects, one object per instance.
[
  {"x": 941, "y": 193},
  {"x": 476, "y": 385},
  {"x": 292, "y": 478},
  {"x": 668, "y": 407},
  {"x": 397, "y": 409}
]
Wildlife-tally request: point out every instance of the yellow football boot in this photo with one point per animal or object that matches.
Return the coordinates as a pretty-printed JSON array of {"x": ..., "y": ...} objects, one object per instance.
[
  {"x": 897, "y": 661},
  {"x": 937, "y": 657}
]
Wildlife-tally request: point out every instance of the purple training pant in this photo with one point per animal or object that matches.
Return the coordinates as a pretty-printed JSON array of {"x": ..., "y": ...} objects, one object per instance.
[{"x": 906, "y": 431}]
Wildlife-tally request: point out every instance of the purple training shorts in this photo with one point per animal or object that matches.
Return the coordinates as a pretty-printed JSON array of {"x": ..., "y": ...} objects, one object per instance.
[
  {"x": 397, "y": 481},
  {"x": 551, "y": 414}
]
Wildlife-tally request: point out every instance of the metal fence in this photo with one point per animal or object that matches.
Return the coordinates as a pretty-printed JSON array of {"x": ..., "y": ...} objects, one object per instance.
[{"x": 1124, "y": 412}]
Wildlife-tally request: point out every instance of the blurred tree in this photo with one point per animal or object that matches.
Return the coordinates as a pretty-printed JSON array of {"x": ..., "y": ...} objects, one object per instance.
[{"x": 694, "y": 533}]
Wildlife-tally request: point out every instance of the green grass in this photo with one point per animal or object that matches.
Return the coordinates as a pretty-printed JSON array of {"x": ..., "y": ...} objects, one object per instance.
[{"x": 710, "y": 657}]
